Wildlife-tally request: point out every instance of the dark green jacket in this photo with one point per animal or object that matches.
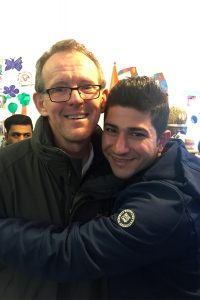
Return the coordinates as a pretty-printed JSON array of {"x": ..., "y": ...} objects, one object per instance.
[{"x": 40, "y": 182}]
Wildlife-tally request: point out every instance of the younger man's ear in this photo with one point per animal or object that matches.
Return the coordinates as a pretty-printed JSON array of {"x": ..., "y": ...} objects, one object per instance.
[
  {"x": 165, "y": 136},
  {"x": 104, "y": 99},
  {"x": 6, "y": 135},
  {"x": 40, "y": 103}
]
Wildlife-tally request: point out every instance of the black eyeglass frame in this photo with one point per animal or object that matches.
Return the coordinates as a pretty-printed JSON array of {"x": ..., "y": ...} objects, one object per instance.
[{"x": 47, "y": 91}]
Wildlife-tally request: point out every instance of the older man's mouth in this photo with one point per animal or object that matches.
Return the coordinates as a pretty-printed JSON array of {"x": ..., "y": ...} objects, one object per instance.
[{"x": 76, "y": 117}]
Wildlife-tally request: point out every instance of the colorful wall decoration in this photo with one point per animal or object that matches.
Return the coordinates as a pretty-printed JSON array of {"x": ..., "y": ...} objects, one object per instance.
[
  {"x": 132, "y": 72},
  {"x": 15, "y": 83},
  {"x": 16, "y": 89}
]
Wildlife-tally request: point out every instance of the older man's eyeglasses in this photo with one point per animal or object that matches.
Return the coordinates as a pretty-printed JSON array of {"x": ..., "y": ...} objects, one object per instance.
[{"x": 63, "y": 93}]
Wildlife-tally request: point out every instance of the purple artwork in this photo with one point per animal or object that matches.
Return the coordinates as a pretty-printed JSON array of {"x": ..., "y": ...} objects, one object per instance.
[
  {"x": 12, "y": 90},
  {"x": 13, "y": 64}
]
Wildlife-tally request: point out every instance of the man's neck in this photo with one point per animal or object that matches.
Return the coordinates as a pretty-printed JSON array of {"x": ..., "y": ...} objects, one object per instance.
[{"x": 78, "y": 150}]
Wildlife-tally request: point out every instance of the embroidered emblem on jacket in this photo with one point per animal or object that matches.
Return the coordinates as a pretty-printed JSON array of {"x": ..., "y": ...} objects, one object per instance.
[{"x": 126, "y": 218}]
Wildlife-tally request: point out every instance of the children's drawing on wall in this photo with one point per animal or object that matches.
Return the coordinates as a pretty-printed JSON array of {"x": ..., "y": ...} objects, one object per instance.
[
  {"x": 13, "y": 64},
  {"x": 159, "y": 77},
  {"x": 2, "y": 101},
  {"x": 25, "y": 78},
  {"x": 1, "y": 133},
  {"x": 11, "y": 90},
  {"x": 16, "y": 84},
  {"x": 1, "y": 128}
]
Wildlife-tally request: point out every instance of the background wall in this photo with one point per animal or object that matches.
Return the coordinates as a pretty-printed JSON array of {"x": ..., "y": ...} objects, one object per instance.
[{"x": 153, "y": 35}]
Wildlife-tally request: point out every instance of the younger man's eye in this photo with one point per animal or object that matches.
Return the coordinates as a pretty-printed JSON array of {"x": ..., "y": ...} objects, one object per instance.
[
  {"x": 139, "y": 134},
  {"x": 109, "y": 129}
]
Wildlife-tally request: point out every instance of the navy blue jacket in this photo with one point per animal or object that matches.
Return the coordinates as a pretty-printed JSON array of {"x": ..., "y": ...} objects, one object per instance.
[{"x": 149, "y": 248}]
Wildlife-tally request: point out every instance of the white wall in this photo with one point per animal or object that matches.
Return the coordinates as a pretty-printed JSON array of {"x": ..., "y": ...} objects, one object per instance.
[{"x": 153, "y": 35}]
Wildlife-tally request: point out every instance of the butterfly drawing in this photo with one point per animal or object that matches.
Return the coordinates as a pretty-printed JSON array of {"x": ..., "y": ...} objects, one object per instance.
[{"x": 13, "y": 64}]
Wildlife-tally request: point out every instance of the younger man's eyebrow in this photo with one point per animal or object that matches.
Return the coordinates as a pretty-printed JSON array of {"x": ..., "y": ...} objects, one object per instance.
[{"x": 137, "y": 129}]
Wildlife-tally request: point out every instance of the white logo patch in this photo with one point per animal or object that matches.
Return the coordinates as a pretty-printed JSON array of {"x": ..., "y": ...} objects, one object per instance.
[{"x": 126, "y": 218}]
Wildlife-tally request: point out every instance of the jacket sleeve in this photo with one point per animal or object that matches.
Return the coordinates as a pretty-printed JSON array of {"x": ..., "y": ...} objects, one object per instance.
[{"x": 142, "y": 229}]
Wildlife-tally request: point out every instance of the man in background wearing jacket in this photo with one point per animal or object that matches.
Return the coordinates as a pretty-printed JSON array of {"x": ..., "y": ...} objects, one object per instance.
[
  {"x": 18, "y": 128},
  {"x": 149, "y": 247}
]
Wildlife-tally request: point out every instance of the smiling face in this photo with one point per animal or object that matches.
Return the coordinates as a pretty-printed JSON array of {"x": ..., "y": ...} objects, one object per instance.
[
  {"x": 130, "y": 141},
  {"x": 72, "y": 122}
]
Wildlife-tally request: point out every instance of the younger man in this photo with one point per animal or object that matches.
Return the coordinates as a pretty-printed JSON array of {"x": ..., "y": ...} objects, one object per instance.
[{"x": 149, "y": 247}]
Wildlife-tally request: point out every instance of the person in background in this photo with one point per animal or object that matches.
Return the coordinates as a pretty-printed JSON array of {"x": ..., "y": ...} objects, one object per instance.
[
  {"x": 18, "y": 127},
  {"x": 45, "y": 178},
  {"x": 149, "y": 246}
]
